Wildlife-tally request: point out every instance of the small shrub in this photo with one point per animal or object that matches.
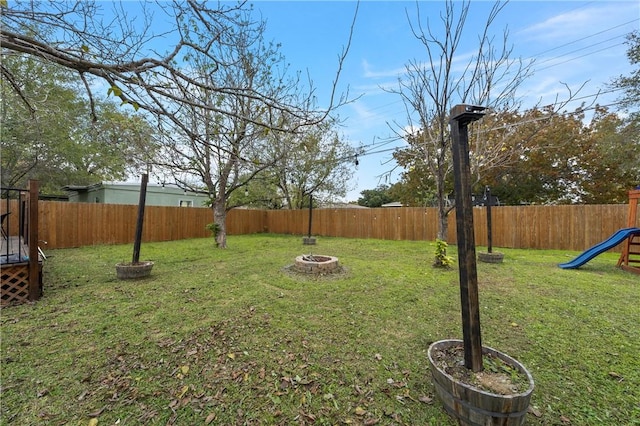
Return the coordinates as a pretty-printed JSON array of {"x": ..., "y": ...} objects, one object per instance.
[{"x": 442, "y": 260}]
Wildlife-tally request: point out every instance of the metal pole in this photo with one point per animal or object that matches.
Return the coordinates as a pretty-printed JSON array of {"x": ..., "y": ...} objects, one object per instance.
[
  {"x": 141, "y": 202},
  {"x": 461, "y": 115}
]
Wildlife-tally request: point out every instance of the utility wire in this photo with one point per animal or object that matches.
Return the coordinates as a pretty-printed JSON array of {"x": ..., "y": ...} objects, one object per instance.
[
  {"x": 579, "y": 57},
  {"x": 584, "y": 48},
  {"x": 382, "y": 115},
  {"x": 586, "y": 37},
  {"x": 507, "y": 126}
]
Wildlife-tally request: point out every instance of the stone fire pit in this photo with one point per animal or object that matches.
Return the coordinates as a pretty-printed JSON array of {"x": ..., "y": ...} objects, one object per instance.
[{"x": 316, "y": 264}]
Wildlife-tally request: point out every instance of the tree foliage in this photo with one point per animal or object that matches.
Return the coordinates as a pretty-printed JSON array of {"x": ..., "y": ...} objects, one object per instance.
[
  {"x": 375, "y": 197},
  {"x": 315, "y": 163},
  {"x": 630, "y": 84},
  {"x": 543, "y": 158},
  {"x": 47, "y": 135}
]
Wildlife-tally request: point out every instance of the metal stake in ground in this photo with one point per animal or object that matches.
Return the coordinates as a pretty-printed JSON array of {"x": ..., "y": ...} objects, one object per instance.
[
  {"x": 141, "y": 203},
  {"x": 461, "y": 116}
]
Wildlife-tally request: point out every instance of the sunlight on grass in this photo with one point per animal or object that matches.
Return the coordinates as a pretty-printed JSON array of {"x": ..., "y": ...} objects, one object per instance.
[{"x": 232, "y": 337}]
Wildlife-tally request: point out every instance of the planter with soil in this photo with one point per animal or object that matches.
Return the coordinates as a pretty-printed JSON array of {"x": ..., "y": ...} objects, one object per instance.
[
  {"x": 133, "y": 270},
  {"x": 498, "y": 395}
]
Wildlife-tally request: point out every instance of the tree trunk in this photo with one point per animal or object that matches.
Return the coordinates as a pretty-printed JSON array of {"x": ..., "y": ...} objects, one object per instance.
[
  {"x": 220, "y": 219},
  {"x": 443, "y": 210},
  {"x": 443, "y": 223}
]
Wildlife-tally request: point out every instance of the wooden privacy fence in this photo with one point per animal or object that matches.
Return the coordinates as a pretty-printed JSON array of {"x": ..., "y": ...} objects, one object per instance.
[{"x": 567, "y": 227}]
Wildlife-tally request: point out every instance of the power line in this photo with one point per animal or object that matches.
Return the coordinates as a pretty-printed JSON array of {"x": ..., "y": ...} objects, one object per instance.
[
  {"x": 579, "y": 57},
  {"x": 507, "y": 126},
  {"x": 587, "y": 37},
  {"x": 582, "y": 48},
  {"x": 387, "y": 105}
]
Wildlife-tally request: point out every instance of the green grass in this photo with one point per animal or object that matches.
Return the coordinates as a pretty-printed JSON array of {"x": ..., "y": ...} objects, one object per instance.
[{"x": 230, "y": 337}]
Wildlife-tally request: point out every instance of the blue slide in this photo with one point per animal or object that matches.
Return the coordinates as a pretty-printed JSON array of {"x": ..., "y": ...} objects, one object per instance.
[{"x": 612, "y": 241}]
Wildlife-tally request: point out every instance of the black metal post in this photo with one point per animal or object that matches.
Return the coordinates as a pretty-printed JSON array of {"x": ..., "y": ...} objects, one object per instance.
[
  {"x": 141, "y": 203},
  {"x": 461, "y": 116},
  {"x": 489, "y": 225},
  {"x": 310, "y": 214}
]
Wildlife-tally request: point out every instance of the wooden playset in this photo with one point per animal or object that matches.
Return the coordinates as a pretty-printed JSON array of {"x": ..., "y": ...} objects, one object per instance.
[{"x": 630, "y": 256}]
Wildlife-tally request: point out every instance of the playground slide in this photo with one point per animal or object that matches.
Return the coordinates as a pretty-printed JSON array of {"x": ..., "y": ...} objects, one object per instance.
[{"x": 612, "y": 241}]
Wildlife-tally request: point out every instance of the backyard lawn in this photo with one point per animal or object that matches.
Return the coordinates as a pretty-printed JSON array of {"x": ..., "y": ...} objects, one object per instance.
[{"x": 226, "y": 337}]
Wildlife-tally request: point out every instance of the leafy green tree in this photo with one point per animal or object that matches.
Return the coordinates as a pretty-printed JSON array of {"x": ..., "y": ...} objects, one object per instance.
[
  {"x": 610, "y": 159},
  {"x": 630, "y": 84},
  {"x": 47, "y": 135},
  {"x": 314, "y": 162},
  {"x": 375, "y": 197},
  {"x": 567, "y": 161},
  {"x": 35, "y": 121}
]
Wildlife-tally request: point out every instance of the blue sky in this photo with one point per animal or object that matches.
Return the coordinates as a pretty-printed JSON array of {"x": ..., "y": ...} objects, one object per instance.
[{"x": 573, "y": 42}]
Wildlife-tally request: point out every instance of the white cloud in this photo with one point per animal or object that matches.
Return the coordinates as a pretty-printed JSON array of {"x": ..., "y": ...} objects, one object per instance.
[
  {"x": 581, "y": 22},
  {"x": 368, "y": 72}
]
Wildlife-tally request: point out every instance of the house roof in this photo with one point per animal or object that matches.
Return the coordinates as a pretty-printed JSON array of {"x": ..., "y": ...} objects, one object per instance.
[
  {"x": 341, "y": 206},
  {"x": 393, "y": 204},
  {"x": 124, "y": 185}
]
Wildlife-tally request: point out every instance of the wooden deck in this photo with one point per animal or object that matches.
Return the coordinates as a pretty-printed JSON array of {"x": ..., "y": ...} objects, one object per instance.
[
  {"x": 13, "y": 250},
  {"x": 20, "y": 258},
  {"x": 15, "y": 272}
]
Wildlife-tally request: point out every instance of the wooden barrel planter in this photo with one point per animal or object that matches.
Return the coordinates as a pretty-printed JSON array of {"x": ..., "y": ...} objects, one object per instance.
[
  {"x": 475, "y": 407},
  {"x": 133, "y": 270},
  {"x": 308, "y": 241},
  {"x": 493, "y": 257}
]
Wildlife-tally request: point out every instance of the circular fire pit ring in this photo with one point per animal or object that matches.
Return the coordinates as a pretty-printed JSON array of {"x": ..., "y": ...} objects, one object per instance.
[{"x": 316, "y": 264}]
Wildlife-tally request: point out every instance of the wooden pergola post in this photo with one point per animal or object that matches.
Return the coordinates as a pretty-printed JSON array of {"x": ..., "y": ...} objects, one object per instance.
[{"x": 460, "y": 117}]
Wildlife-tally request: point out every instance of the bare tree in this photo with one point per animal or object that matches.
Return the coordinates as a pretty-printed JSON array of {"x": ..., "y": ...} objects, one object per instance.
[
  {"x": 223, "y": 151},
  {"x": 429, "y": 89},
  {"x": 116, "y": 48},
  {"x": 218, "y": 92}
]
